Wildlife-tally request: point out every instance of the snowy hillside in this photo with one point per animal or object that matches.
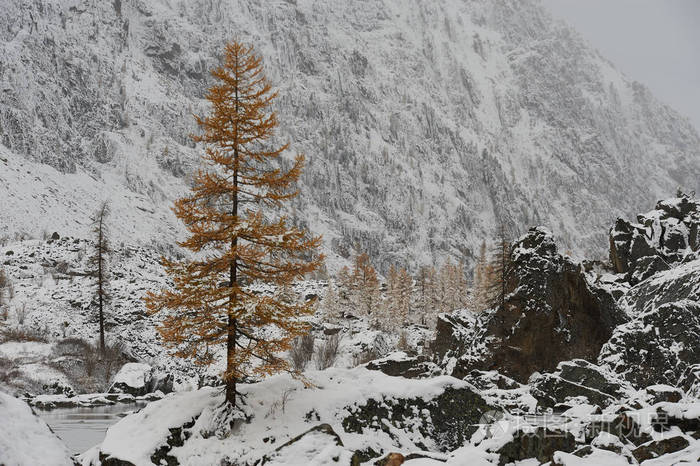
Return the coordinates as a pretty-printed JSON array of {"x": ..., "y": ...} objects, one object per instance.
[{"x": 424, "y": 123}]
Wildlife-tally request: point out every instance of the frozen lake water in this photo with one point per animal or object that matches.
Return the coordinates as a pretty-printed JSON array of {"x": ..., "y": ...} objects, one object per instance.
[{"x": 84, "y": 427}]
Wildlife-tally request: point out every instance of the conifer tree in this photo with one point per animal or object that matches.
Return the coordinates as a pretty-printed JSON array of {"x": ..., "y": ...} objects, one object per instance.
[
  {"x": 98, "y": 261},
  {"x": 232, "y": 238},
  {"x": 405, "y": 294},
  {"x": 499, "y": 268},
  {"x": 389, "y": 308},
  {"x": 365, "y": 285},
  {"x": 329, "y": 304},
  {"x": 482, "y": 277},
  {"x": 399, "y": 298},
  {"x": 427, "y": 294},
  {"x": 345, "y": 291},
  {"x": 464, "y": 297}
]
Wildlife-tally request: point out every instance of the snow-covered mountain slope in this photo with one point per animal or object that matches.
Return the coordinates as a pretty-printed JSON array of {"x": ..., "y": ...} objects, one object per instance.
[{"x": 424, "y": 123}]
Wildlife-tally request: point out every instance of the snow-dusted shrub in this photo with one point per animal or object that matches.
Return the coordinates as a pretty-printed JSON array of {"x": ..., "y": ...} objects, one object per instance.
[
  {"x": 301, "y": 352},
  {"x": 403, "y": 344},
  {"x": 22, "y": 334},
  {"x": 364, "y": 357},
  {"x": 7, "y": 371},
  {"x": 62, "y": 267},
  {"x": 98, "y": 369},
  {"x": 280, "y": 404},
  {"x": 112, "y": 360},
  {"x": 72, "y": 347},
  {"x": 21, "y": 313},
  {"x": 4, "y": 279},
  {"x": 327, "y": 352}
]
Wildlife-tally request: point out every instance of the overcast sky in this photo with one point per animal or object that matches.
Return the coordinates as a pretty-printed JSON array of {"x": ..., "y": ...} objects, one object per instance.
[{"x": 655, "y": 42}]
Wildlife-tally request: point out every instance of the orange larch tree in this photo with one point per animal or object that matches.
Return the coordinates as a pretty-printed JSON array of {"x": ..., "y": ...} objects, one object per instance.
[
  {"x": 231, "y": 237},
  {"x": 365, "y": 284}
]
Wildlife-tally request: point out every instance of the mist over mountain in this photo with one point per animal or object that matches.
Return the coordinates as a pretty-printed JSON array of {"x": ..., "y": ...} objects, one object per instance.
[{"x": 425, "y": 124}]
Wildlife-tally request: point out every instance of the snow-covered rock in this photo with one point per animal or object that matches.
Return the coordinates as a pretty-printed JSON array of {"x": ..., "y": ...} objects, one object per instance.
[
  {"x": 436, "y": 414},
  {"x": 25, "y": 439},
  {"x": 657, "y": 347},
  {"x": 133, "y": 378},
  {"x": 577, "y": 378},
  {"x": 540, "y": 443},
  {"x": 317, "y": 446},
  {"x": 680, "y": 282},
  {"x": 553, "y": 312},
  {"x": 658, "y": 239},
  {"x": 400, "y": 364}
]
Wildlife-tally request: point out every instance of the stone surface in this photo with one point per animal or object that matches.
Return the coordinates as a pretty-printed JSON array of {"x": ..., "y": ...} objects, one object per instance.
[
  {"x": 664, "y": 393},
  {"x": 623, "y": 426},
  {"x": 690, "y": 381},
  {"x": 133, "y": 378},
  {"x": 410, "y": 367},
  {"x": 658, "y": 238},
  {"x": 553, "y": 312},
  {"x": 448, "y": 419},
  {"x": 657, "y": 347},
  {"x": 322, "y": 434},
  {"x": 659, "y": 447},
  {"x": 574, "y": 379},
  {"x": 539, "y": 444},
  {"x": 680, "y": 283}
]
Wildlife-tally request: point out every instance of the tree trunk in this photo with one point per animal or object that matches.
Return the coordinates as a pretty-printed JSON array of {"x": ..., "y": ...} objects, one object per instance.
[
  {"x": 232, "y": 324},
  {"x": 100, "y": 284}
]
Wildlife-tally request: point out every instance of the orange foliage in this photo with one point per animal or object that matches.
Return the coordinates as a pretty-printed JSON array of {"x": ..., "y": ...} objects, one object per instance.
[{"x": 233, "y": 241}]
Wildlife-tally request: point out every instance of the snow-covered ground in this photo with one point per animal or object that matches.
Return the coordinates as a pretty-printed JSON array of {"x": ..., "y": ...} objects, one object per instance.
[
  {"x": 52, "y": 298},
  {"x": 280, "y": 409},
  {"x": 27, "y": 440}
]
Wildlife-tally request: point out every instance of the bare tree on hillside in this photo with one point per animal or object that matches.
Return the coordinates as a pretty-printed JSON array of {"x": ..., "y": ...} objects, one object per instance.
[{"x": 98, "y": 260}]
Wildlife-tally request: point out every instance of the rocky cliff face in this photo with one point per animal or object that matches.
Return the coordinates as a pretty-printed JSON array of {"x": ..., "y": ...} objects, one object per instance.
[
  {"x": 424, "y": 123},
  {"x": 640, "y": 325},
  {"x": 657, "y": 239},
  {"x": 553, "y": 312}
]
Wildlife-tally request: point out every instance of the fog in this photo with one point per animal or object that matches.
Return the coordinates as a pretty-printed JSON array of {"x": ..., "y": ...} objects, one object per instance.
[{"x": 655, "y": 42}]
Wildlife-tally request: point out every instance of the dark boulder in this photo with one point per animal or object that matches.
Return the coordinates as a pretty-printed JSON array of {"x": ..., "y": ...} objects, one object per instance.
[
  {"x": 647, "y": 267},
  {"x": 574, "y": 379},
  {"x": 622, "y": 425},
  {"x": 659, "y": 447},
  {"x": 491, "y": 380},
  {"x": 410, "y": 367},
  {"x": 553, "y": 312},
  {"x": 453, "y": 334},
  {"x": 449, "y": 419},
  {"x": 657, "y": 347},
  {"x": 669, "y": 415},
  {"x": 663, "y": 393},
  {"x": 681, "y": 283},
  {"x": 690, "y": 381},
  {"x": 541, "y": 443}
]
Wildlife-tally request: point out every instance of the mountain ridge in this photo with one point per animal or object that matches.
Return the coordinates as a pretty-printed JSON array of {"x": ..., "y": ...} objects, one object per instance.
[{"x": 424, "y": 124}]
